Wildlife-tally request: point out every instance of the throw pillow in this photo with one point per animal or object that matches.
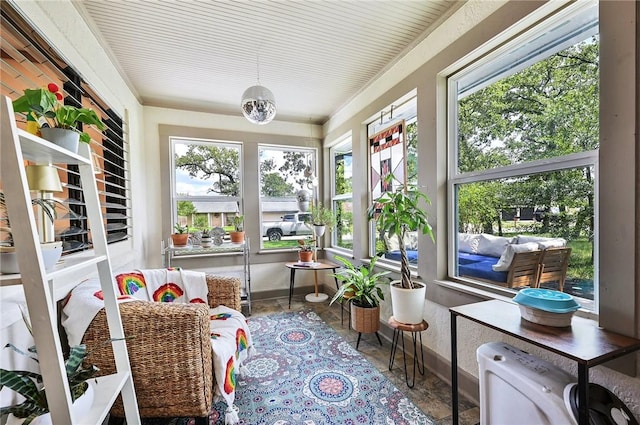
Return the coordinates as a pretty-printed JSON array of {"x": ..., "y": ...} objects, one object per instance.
[
  {"x": 552, "y": 243},
  {"x": 468, "y": 242},
  {"x": 492, "y": 246},
  {"x": 539, "y": 239},
  {"x": 504, "y": 262}
]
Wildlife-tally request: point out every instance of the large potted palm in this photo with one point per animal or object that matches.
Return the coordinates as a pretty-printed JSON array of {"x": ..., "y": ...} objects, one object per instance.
[
  {"x": 361, "y": 288},
  {"x": 397, "y": 212}
]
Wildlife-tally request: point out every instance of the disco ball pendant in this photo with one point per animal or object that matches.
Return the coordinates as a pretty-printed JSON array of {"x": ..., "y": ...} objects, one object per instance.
[{"x": 258, "y": 105}]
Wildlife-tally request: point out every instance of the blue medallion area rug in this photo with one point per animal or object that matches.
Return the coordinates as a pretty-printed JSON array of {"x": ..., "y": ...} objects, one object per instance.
[{"x": 304, "y": 373}]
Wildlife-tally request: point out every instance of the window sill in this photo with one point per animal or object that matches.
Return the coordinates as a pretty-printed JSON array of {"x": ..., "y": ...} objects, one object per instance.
[{"x": 476, "y": 289}]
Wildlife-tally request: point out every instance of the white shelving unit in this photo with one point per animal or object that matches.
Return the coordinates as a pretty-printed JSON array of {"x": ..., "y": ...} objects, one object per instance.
[
  {"x": 42, "y": 289},
  {"x": 171, "y": 253}
]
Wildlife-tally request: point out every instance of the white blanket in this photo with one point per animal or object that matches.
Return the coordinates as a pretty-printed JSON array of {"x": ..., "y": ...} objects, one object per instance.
[
  {"x": 231, "y": 344},
  {"x": 81, "y": 306},
  {"x": 171, "y": 285}
]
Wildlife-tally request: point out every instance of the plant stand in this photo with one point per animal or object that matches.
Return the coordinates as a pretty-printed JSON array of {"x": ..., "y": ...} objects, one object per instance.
[
  {"x": 398, "y": 333},
  {"x": 316, "y": 297}
]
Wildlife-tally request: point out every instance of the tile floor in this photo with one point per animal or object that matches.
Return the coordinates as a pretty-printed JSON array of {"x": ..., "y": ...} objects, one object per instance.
[{"x": 430, "y": 393}]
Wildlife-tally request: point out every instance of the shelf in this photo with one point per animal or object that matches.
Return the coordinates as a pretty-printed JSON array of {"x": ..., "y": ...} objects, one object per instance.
[
  {"x": 106, "y": 389},
  {"x": 41, "y": 151}
]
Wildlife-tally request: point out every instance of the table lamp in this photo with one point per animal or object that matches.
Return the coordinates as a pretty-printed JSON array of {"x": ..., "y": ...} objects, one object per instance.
[{"x": 44, "y": 180}]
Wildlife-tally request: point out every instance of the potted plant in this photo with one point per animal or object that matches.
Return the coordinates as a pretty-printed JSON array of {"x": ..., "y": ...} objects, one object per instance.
[
  {"x": 361, "y": 287},
  {"x": 35, "y": 408},
  {"x": 58, "y": 122},
  {"x": 396, "y": 213},
  {"x": 320, "y": 217},
  {"x": 205, "y": 239},
  {"x": 237, "y": 234},
  {"x": 51, "y": 249},
  {"x": 305, "y": 255},
  {"x": 180, "y": 237}
]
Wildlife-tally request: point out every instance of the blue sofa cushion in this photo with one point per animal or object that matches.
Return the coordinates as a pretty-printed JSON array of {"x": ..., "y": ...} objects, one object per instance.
[
  {"x": 482, "y": 270},
  {"x": 412, "y": 256},
  {"x": 468, "y": 258}
]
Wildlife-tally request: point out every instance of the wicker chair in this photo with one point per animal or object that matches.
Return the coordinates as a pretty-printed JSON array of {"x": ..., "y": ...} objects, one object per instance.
[{"x": 169, "y": 351}]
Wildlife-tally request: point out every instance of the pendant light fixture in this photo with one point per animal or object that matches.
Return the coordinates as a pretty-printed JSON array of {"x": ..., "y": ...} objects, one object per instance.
[{"x": 258, "y": 103}]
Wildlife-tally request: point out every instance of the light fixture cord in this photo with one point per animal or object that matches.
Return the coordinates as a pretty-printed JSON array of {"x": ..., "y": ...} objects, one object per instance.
[{"x": 258, "y": 65}]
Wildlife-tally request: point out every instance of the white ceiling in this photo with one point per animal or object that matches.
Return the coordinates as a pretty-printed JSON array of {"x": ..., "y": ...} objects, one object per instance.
[{"x": 314, "y": 55}]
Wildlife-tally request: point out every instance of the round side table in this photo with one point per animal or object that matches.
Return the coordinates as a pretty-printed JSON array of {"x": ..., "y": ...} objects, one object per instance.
[{"x": 398, "y": 333}]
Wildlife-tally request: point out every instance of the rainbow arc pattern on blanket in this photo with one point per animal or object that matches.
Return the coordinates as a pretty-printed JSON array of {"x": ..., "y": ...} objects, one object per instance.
[
  {"x": 242, "y": 342},
  {"x": 230, "y": 377},
  {"x": 220, "y": 316},
  {"x": 167, "y": 293},
  {"x": 130, "y": 283}
]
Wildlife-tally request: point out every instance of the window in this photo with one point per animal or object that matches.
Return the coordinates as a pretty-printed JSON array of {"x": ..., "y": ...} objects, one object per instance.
[
  {"x": 341, "y": 196},
  {"x": 28, "y": 61},
  {"x": 524, "y": 148},
  {"x": 398, "y": 124},
  {"x": 207, "y": 183},
  {"x": 288, "y": 186}
]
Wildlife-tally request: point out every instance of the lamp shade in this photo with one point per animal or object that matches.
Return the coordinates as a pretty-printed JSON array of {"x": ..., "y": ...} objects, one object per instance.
[
  {"x": 43, "y": 178},
  {"x": 258, "y": 105}
]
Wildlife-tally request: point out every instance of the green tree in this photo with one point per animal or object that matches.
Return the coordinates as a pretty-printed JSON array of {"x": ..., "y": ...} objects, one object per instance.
[
  {"x": 272, "y": 182},
  {"x": 218, "y": 164},
  {"x": 547, "y": 110}
]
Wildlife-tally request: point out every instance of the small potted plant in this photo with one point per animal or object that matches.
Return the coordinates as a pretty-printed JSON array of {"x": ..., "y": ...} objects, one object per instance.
[
  {"x": 58, "y": 122},
  {"x": 396, "y": 213},
  {"x": 237, "y": 234},
  {"x": 30, "y": 386},
  {"x": 305, "y": 255},
  {"x": 180, "y": 237},
  {"x": 320, "y": 217},
  {"x": 361, "y": 287},
  {"x": 205, "y": 239}
]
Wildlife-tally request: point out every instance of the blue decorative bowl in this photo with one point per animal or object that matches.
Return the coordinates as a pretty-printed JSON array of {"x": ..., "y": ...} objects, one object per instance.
[{"x": 546, "y": 300}]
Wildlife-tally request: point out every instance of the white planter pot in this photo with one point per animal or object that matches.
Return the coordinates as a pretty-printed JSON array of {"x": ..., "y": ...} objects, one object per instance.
[
  {"x": 408, "y": 304},
  {"x": 9, "y": 262},
  {"x": 67, "y": 139},
  {"x": 51, "y": 253},
  {"x": 319, "y": 230}
]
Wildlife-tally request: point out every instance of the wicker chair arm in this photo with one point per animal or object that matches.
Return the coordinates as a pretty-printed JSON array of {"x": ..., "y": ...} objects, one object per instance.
[
  {"x": 169, "y": 349},
  {"x": 224, "y": 290}
]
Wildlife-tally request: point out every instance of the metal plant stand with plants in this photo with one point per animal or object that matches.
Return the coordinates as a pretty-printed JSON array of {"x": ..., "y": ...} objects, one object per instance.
[{"x": 396, "y": 213}]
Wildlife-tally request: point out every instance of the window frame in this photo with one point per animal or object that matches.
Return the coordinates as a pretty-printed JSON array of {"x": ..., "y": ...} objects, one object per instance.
[
  {"x": 314, "y": 191},
  {"x": 175, "y": 198},
  {"x": 340, "y": 146},
  {"x": 455, "y": 177}
]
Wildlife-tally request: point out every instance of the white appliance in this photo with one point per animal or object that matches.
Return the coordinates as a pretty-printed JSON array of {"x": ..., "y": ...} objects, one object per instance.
[{"x": 518, "y": 388}]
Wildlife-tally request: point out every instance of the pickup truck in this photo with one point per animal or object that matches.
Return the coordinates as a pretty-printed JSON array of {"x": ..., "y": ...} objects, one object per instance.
[{"x": 290, "y": 225}]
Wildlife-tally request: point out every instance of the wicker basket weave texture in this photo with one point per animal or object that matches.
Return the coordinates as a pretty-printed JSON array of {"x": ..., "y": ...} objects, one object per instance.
[
  {"x": 366, "y": 320},
  {"x": 169, "y": 351}
]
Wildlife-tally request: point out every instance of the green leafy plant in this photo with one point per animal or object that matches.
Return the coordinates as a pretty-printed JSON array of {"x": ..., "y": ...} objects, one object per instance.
[
  {"x": 320, "y": 216},
  {"x": 45, "y": 103},
  {"x": 206, "y": 232},
  {"x": 361, "y": 284},
  {"x": 398, "y": 212},
  {"x": 238, "y": 223},
  {"x": 180, "y": 229},
  {"x": 306, "y": 245},
  {"x": 30, "y": 384}
]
